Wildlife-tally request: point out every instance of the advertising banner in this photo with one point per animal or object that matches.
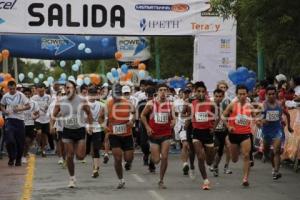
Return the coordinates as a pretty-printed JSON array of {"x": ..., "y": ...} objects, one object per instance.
[
  {"x": 114, "y": 17},
  {"x": 214, "y": 57}
]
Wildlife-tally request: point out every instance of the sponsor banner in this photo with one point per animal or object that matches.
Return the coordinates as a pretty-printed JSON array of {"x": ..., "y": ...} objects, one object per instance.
[
  {"x": 214, "y": 57},
  {"x": 134, "y": 48},
  {"x": 114, "y": 17}
]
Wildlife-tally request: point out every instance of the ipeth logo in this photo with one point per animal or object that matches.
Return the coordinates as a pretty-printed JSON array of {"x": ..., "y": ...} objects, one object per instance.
[
  {"x": 143, "y": 24},
  {"x": 2, "y": 21},
  {"x": 7, "y": 4}
]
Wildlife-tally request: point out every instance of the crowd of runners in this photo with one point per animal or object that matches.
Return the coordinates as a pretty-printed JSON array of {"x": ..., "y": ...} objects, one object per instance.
[{"x": 117, "y": 119}]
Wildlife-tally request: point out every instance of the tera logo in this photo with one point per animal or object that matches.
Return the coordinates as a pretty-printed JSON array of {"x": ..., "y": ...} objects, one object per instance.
[
  {"x": 7, "y": 4},
  {"x": 2, "y": 21},
  {"x": 159, "y": 24},
  {"x": 154, "y": 7}
]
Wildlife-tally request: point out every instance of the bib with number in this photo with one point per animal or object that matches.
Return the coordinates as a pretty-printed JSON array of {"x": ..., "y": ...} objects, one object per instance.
[
  {"x": 201, "y": 116},
  {"x": 242, "y": 120},
  {"x": 161, "y": 118},
  {"x": 221, "y": 125},
  {"x": 272, "y": 116},
  {"x": 72, "y": 121},
  {"x": 96, "y": 127},
  {"x": 119, "y": 129}
]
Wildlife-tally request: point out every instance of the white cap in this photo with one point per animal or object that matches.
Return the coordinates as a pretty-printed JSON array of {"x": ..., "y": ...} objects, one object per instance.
[
  {"x": 19, "y": 86},
  {"x": 125, "y": 89},
  {"x": 105, "y": 85},
  {"x": 280, "y": 77}
]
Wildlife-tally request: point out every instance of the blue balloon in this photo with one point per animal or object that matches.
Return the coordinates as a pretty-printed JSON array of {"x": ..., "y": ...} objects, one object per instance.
[
  {"x": 142, "y": 74},
  {"x": 63, "y": 76},
  {"x": 252, "y": 74},
  {"x": 243, "y": 73},
  {"x": 1, "y": 79},
  {"x": 232, "y": 75},
  {"x": 81, "y": 46},
  {"x": 115, "y": 73},
  {"x": 75, "y": 67},
  {"x": 124, "y": 68},
  {"x": 250, "y": 83},
  {"x": 105, "y": 42}
]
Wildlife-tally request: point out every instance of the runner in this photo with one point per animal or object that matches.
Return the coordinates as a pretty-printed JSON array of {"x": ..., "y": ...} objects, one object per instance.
[
  {"x": 222, "y": 85},
  {"x": 30, "y": 115},
  {"x": 240, "y": 113},
  {"x": 103, "y": 99},
  {"x": 180, "y": 132},
  {"x": 120, "y": 122},
  {"x": 71, "y": 110},
  {"x": 13, "y": 105},
  {"x": 220, "y": 131},
  {"x": 94, "y": 141},
  {"x": 58, "y": 125},
  {"x": 159, "y": 128},
  {"x": 144, "y": 139},
  {"x": 202, "y": 110},
  {"x": 272, "y": 129},
  {"x": 42, "y": 123}
]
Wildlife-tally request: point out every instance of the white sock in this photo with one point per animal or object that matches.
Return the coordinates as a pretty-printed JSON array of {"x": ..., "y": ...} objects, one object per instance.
[
  {"x": 185, "y": 163},
  {"x": 122, "y": 180},
  {"x": 72, "y": 178},
  {"x": 206, "y": 181}
]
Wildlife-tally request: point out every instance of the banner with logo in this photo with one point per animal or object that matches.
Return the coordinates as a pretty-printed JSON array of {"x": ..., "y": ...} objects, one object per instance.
[
  {"x": 114, "y": 17},
  {"x": 134, "y": 48},
  {"x": 214, "y": 57}
]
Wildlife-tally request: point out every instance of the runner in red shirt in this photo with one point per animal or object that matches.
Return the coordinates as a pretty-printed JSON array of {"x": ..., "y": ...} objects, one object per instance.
[
  {"x": 202, "y": 119},
  {"x": 240, "y": 113},
  {"x": 159, "y": 128}
]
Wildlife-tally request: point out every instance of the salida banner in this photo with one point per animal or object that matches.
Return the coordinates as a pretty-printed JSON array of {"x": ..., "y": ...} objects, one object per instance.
[{"x": 114, "y": 17}]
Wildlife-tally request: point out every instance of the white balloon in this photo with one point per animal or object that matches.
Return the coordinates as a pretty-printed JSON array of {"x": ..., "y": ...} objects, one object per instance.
[
  {"x": 87, "y": 80},
  {"x": 78, "y": 62},
  {"x": 63, "y": 76},
  {"x": 79, "y": 82},
  {"x": 71, "y": 78},
  {"x": 87, "y": 37},
  {"x": 81, "y": 46},
  {"x": 62, "y": 63},
  {"x": 30, "y": 75},
  {"x": 36, "y": 80},
  {"x": 21, "y": 77},
  {"x": 41, "y": 76},
  {"x": 50, "y": 79},
  {"x": 46, "y": 83},
  {"x": 87, "y": 50},
  {"x": 75, "y": 67}
]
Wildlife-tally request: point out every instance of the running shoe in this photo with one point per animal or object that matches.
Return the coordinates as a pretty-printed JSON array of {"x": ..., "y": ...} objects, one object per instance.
[
  {"x": 277, "y": 176},
  {"x": 152, "y": 167},
  {"x": 83, "y": 161},
  {"x": 72, "y": 183},
  {"x": 43, "y": 154},
  {"x": 24, "y": 160},
  {"x": 11, "y": 162},
  {"x": 127, "y": 166},
  {"x": 185, "y": 170},
  {"x": 106, "y": 158},
  {"x": 245, "y": 182},
  {"x": 192, "y": 174},
  {"x": 227, "y": 170},
  {"x": 206, "y": 185},
  {"x": 216, "y": 172},
  {"x": 161, "y": 185},
  {"x": 121, "y": 185},
  {"x": 60, "y": 161},
  {"x": 95, "y": 173},
  {"x": 211, "y": 169}
]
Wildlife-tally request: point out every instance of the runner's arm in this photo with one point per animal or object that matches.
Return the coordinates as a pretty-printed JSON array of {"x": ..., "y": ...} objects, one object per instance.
[
  {"x": 226, "y": 114},
  {"x": 288, "y": 118},
  {"x": 146, "y": 112}
]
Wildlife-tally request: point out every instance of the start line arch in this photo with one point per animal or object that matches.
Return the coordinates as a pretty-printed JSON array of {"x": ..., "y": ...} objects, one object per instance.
[{"x": 215, "y": 38}]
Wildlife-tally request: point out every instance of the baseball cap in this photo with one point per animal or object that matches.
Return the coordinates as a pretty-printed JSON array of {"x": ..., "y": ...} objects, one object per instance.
[{"x": 125, "y": 89}]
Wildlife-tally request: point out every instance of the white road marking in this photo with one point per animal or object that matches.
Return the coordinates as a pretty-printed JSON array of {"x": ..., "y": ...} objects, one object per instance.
[
  {"x": 155, "y": 195},
  {"x": 138, "y": 178}
]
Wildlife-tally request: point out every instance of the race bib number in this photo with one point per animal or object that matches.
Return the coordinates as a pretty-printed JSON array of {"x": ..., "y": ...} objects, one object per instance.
[
  {"x": 201, "y": 116},
  {"x": 242, "y": 120},
  {"x": 272, "y": 116},
  {"x": 119, "y": 129},
  {"x": 161, "y": 118},
  {"x": 96, "y": 127},
  {"x": 72, "y": 121}
]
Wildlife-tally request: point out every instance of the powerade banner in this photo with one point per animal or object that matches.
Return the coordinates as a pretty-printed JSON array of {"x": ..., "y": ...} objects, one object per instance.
[
  {"x": 134, "y": 48},
  {"x": 114, "y": 17},
  {"x": 59, "y": 46}
]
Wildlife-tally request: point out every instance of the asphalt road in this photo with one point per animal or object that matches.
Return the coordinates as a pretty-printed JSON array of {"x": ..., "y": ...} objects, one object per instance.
[{"x": 50, "y": 183}]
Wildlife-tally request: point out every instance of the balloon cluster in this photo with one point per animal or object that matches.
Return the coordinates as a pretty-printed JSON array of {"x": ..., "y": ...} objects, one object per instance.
[
  {"x": 82, "y": 47},
  {"x": 94, "y": 79},
  {"x": 4, "y": 79},
  {"x": 243, "y": 76},
  {"x": 121, "y": 74},
  {"x": 177, "y": 82}
]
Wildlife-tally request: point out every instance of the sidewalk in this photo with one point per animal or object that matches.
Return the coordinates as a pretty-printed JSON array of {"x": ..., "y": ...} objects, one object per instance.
[{"x": 11, "y": 180}]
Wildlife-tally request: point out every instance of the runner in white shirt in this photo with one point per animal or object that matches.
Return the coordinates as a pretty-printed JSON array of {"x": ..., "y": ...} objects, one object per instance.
[
  {"x": 30, "y": 116},
  {"x": 13, "y": 105},
  {"x": 42, "y": 123},
  {"x": 94, "y": 141},
  {"x": 58, "y": 125}
]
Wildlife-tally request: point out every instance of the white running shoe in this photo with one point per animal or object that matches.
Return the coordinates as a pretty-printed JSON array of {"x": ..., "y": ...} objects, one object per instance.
[
  {"x": 60, "y": 161},
  {"x": 24, "y": 160},
  {"x": 72, "y": 183},
  {"x": 192, "y": 174}
]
